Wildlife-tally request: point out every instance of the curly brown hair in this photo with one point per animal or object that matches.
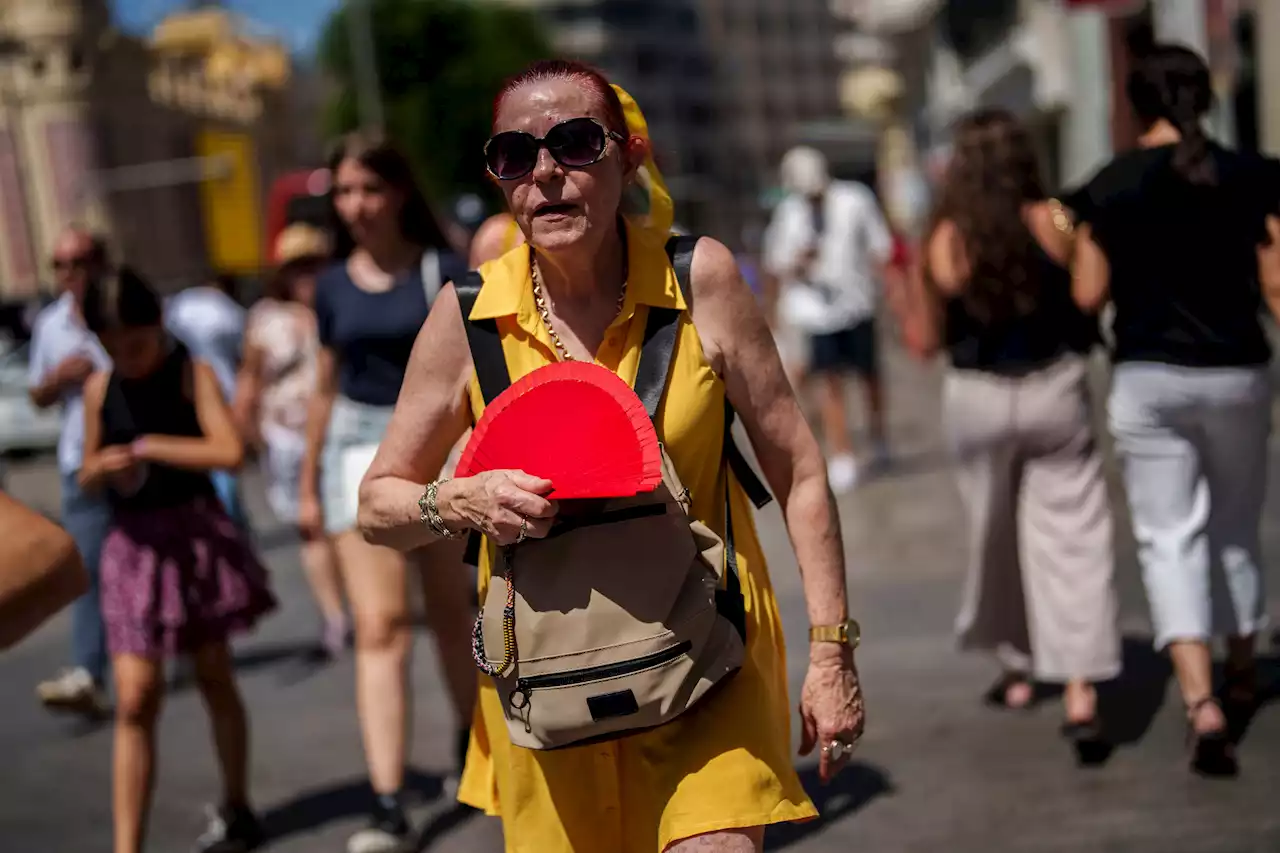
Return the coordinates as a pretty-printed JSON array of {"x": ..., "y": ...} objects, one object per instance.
[{"x": 993, "y": 174}]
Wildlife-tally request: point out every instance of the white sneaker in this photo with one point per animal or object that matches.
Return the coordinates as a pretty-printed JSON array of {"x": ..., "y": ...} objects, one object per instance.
[
  {"x": 73, "y": 690},
  {"x": 842, "y": 473}
]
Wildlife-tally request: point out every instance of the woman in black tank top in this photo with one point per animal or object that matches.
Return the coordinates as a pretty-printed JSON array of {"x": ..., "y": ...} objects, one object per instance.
[
  {"x": 1179, "y": 235},
  {"x": 995, "y": 294},
  {"x": 177, "y": 576}
]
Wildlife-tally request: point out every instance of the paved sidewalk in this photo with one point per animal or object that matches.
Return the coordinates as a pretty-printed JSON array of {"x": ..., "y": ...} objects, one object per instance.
[{"x": 936, "y": 772}]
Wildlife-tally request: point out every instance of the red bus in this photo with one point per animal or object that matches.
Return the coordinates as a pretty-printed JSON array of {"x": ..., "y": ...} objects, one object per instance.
[{"x": 299, "y": 196}]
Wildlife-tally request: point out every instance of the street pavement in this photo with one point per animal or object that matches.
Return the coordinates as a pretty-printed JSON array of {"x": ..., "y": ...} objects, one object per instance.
[{"x": 936, "y": 771}]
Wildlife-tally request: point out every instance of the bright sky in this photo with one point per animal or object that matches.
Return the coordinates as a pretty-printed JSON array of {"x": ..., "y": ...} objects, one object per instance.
[{"x": 297, "y": 22}]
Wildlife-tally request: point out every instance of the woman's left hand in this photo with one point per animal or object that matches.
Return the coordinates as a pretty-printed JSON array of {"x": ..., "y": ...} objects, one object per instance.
[{"x": 831, "y": 710}]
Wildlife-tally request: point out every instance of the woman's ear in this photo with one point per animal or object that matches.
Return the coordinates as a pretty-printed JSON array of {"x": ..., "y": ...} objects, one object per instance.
[{"x": 636, "y": 151}]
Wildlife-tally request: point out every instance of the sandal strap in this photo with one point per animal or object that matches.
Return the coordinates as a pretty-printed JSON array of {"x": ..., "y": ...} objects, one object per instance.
[{"x": 1196, "y": 706}]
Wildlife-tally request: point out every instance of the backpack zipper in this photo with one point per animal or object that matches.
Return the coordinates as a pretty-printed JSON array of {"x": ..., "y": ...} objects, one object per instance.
[{"x": 524, "y": 686}]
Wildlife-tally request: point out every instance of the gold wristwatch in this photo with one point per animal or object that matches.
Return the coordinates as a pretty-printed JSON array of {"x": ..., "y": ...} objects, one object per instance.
[{"x": 847, "y": 633}]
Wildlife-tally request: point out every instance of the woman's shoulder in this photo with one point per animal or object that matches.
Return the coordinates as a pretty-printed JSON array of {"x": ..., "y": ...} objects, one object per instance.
[{"x": 1126, "y": 171}]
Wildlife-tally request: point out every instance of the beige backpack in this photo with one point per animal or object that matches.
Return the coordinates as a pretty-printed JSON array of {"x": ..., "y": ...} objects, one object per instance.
[{"x": 629, "y": 612}]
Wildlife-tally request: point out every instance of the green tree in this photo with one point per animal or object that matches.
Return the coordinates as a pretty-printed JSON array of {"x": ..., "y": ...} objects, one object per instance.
[{"x": 440, "y": 64}]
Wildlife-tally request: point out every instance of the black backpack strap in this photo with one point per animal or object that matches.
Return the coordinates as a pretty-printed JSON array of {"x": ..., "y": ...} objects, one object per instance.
[
  {"x": 490, "y": 365},
  {"x": 484, "y": 340},
  {"x": 651, "y": 382},
  {"x": 680, "y": 251}
]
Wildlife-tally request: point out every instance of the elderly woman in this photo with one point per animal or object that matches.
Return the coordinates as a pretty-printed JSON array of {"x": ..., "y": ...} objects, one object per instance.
[{"x": 566, "y": 157}]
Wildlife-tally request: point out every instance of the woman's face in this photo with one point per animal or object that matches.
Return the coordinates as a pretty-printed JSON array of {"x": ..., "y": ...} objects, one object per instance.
[
  {"x": 366, "y": 204},
  {"x": 558, "y": 207},
  {"x": 135, "y": 351}
]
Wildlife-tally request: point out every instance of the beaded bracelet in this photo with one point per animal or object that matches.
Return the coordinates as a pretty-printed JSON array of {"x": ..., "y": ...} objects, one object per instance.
[{"x": 430, "y": 516}]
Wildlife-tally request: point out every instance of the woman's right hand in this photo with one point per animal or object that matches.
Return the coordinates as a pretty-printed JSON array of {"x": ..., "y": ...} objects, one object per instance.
[
  {"x": 310, "y": 516},
  {"x": 498, "y": 504}
]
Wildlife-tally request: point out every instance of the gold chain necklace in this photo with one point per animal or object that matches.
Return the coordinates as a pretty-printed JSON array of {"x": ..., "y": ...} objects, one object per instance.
[{"x": 544, "y": 309}]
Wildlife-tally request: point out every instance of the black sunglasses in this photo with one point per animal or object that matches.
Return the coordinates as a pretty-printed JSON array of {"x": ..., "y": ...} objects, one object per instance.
[{"x": 575, "y": 144}]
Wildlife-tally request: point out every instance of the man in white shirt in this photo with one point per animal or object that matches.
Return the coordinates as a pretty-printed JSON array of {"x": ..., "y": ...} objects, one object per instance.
[
  {"x": 63, "y": 355},
  {"x": 210, "y": 323},
  {"x": 829, "y": 244}
]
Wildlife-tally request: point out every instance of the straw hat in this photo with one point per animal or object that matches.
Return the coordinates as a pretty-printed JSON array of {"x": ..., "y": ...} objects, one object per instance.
[{"x": 300, "y": 241}]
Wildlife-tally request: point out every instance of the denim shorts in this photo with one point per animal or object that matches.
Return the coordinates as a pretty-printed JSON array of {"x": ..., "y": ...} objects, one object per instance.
[{"x": 355, "y": 431}]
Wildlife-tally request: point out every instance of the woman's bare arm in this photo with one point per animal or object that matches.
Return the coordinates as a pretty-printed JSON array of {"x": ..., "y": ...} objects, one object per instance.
[
  {"x": 430, "y": 416},
  {"x": 244, "y": 408},
  {"x": 1269, "y": 266},
  {"x": 40, "y": 571},
  {"x": 218, "y": 449},
  {"x": 736, "y": 339},
  {"x": 1090, "y": 272},
  {"x": 318, "y": 411}
]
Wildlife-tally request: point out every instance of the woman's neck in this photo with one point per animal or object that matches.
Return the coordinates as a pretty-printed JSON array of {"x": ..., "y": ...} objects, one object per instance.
[
  {"x": 1159, "y": 134},
  {"x": 390, "y": 256},
  {"x": 581, "y": 276}
]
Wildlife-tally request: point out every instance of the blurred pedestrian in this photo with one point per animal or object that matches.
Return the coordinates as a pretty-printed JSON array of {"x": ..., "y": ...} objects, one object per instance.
[
  {"x": 1170, "y": 233},
  {"x": 496, "y": 236},
  {"x": 996, "y": 295},
  {"x": 276, "y": 382},
  {"x": 178, "y": 577},
  {"x": 392, "y": 257},
  {"x": 40, "y": 571},
  {"x": 64, "y": 353},
  {"x": 828, "y": 243},
  {"x": 210, "y": 322}
]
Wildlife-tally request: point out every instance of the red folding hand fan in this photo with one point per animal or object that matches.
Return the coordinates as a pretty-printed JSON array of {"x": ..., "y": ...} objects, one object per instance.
[{"x": 573, "y": 423}]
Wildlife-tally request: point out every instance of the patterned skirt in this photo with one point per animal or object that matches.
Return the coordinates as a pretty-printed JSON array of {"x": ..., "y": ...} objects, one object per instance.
[{"x": 178, "y": 578}]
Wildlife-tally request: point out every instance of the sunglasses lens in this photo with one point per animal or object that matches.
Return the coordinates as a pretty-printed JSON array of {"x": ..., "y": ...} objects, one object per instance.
[
  {"x": 577, "y": 142},
  {"x": 511, "y": 155}
]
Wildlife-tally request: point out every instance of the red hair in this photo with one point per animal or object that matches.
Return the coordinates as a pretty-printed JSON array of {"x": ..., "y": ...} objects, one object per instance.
[{"x": 584, "y": 75}]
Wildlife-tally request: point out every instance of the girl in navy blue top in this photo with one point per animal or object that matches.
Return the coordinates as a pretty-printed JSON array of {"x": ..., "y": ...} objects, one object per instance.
[{"x": 392, "y": 256}]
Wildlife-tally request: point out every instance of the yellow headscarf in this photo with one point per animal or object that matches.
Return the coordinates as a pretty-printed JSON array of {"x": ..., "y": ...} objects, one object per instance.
[{"x": 646, "y": 203}]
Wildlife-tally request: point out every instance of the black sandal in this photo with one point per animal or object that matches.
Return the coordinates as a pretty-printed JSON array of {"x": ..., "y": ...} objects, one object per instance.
[
  {"x": 1240, "y": 689},
  {"x": 1089, "y": 741},
  {"x": 997, "y": 695},
  {"x": 1212, "y": 753}
]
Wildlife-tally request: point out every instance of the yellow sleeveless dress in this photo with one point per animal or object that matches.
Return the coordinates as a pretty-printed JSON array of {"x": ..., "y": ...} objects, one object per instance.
[{"x": 727, "y": 763}]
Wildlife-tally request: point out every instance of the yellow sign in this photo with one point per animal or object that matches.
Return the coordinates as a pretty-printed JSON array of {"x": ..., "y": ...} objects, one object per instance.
[{"x": 231, "y": 201}]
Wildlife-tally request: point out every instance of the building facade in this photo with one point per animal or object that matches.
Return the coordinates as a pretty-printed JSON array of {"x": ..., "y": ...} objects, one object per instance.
[
  {"x": 726, "y": 85},
  {"x": 164, "y": 144}
]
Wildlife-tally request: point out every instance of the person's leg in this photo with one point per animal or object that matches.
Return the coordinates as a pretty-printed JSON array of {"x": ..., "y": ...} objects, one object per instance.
[
  {"x": 827, "y": 364},
  {"x": 376, "y": 582},
  {"x": 139, "y": 692},
  {"x": 215, "y": 676},
  {"x": 1169, "y": 505},
  {"x": 232, "y": 825},
  {"x": 320, "y": 564},
  {"x": 730, "y": 841},
  {"x": 1236, "y": 432},
  {"x": 1065, "y": 531},
  {"x": 449, "y": 592},
  {"x": 87, "y": 518},
  {"x": 992, "y": 615},
  {"x": 864, "y": 358}
]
